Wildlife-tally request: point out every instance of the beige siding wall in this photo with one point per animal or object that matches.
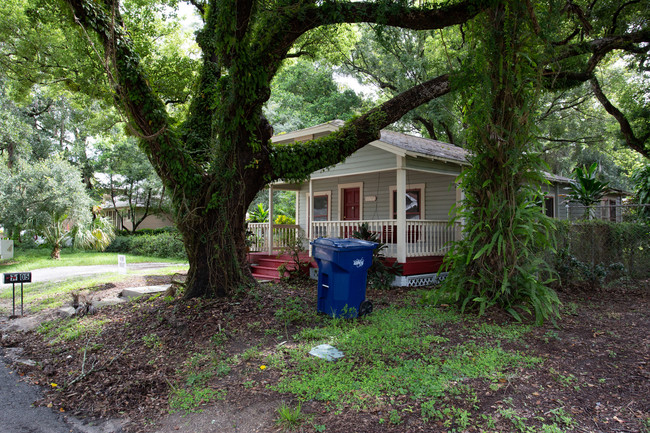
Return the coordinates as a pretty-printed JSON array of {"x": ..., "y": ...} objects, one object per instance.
[
  {"x": 440, "y": 194},
  {"x": 154, "y": 222},
  {"x": 364, "y": 160},
  {"x": 150, "y": 222}
]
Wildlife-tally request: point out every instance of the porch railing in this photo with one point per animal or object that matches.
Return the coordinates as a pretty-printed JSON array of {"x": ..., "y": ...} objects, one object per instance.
[
  {"x": 423, "y": 237},
  {"x": 283, "y": 235}
]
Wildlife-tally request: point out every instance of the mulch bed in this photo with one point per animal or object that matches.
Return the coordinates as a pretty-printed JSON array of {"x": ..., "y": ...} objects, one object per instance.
[{"x": 596, "y": 360}]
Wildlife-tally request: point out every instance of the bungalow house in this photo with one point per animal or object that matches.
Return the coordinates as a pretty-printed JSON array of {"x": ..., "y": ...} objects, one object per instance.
[
  {"x": 365, "y": 189},
  {"x": 117, "y": 215}
]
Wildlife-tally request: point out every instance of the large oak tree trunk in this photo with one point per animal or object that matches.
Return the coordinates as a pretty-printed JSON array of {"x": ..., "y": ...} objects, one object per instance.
[{"x": 215, "y": 242}]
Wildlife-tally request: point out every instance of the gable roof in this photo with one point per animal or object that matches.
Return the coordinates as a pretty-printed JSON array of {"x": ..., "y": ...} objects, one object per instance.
[
  {"x": 391, "y": 141},
  {"x": 403, "y": 144},
  {"x": 423, "y": 147}
]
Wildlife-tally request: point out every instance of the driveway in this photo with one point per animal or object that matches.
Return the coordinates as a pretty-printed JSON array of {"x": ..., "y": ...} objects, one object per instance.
[
  {"x": 17, "y": 415},
  {"x": 65, "y": 272}
]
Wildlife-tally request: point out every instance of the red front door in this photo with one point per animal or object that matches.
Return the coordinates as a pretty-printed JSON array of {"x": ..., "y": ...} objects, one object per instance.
[{"x": 351, "y": 204}]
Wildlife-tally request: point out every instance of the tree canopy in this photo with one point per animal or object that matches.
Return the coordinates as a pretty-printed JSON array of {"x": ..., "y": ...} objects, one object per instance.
[
  {"x": 214, "y": 153},
  {"x": 47, "y": 197}
]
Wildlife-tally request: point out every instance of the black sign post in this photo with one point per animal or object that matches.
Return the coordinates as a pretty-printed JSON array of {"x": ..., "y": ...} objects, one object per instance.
[{"x": 18, "y": 277}]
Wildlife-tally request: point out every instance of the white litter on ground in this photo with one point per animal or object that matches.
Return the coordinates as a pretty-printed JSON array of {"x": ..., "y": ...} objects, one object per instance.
[{"x": 326, "y": 352}]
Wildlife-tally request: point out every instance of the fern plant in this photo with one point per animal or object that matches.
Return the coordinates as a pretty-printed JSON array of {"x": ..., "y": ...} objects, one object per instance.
[{"x": 380, "y": 275}]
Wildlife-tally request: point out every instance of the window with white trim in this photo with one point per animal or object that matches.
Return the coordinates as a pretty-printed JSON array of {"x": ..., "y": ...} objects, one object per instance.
[
  {"x": 322, "y": 205},
  {"x": 414, "y": 202}
]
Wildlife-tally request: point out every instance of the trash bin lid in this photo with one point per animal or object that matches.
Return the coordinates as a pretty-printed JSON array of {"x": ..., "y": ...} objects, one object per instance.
[{"x": 344, "y": 244}]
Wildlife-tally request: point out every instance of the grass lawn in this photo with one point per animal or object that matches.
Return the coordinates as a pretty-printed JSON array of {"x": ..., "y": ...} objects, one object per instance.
[
  {"x": 53, "y": 294},
  {"x": 29, "y": 259}
]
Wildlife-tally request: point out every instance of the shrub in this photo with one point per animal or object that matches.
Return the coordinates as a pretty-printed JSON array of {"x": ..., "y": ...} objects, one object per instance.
[
  {"x": 380, "y": 274},
  {"x": 143, "y": 232},
  {"x": 167, "y": 244},
  {"x": 283, "y": 219}
]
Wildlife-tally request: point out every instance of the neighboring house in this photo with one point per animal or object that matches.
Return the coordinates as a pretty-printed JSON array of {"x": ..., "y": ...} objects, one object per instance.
[
  {"x": 154, "y": 220},
  {"x": 558, "y": 203},
  {"x": 364, "y": 189}
]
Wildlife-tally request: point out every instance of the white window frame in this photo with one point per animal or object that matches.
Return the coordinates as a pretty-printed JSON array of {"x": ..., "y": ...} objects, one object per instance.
[
  {"x": 393, "y": 189},
  {"x": 310, "y": 204},
  {"x": 343, "y": 186}
]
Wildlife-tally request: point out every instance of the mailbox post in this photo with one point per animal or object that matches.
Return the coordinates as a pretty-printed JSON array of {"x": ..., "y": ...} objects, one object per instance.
[{"x": 17, "y": 277}]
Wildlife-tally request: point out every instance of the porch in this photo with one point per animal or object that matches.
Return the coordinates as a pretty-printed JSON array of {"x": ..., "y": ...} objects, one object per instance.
[
  {"x": 427, "y": 241},
  {"x": 423, "y": 237}
]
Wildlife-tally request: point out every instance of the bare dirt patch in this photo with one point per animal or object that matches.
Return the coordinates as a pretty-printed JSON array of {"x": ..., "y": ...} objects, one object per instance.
[{"x": 595, "y": 365}]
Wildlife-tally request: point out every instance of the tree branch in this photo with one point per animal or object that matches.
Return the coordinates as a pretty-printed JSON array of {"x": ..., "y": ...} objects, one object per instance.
[
  {"x": 634, "y": 142},
  {"x": 198, "y": 5},
  {"x": 243, "y": 15},
  {"x": 428, "y": 125},
  {"x": 635, "y": 42},
  {"x": 604, "y": 45},
  {"x": 450, "y": 135},
  {"x": 146, "y": 112},
  {"x": 577, "y": 10},
  {"x": 617, "y": 13},
  {"x": 298, "y": 160},
  {"x": 297, "y": 21}
]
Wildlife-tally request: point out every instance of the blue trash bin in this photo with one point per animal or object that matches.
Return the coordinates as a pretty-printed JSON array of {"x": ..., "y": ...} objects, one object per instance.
[{"x": 342, "y": 273}]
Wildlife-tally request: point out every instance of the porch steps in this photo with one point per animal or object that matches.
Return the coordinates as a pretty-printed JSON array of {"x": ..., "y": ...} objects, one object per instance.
[
  {"x": 269, "y": 269},
  {"x": 266, "y": 267}
]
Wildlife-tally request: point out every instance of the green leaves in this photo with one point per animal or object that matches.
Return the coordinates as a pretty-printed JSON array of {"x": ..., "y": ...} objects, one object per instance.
[
  {"x": 496, "y": 263},
  {"x": 47, "y": 197},
  {"x": 587, "y": 189},
  {"x": 305, "y": 94}
]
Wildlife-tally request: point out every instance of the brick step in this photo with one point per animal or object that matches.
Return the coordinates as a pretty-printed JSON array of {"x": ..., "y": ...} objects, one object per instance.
[
  {"x": 276, "y": 263},
  {"x": 266, "y": 271},
  {"x": 263, "y": 278}
]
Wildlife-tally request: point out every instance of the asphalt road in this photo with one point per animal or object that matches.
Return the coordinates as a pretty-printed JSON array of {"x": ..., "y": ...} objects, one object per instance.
[{"x": 16, "y": 412}]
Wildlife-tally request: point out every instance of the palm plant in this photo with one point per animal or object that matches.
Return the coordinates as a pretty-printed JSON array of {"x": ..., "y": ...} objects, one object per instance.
[
  {"x": 587, "y": 190},
  {"x": 259, "y": 214},
  {"x": 96, "y": 236}
]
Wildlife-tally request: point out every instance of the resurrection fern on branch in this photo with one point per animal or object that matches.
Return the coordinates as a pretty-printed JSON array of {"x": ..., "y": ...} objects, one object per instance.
[{"x": 215, "y": 153}]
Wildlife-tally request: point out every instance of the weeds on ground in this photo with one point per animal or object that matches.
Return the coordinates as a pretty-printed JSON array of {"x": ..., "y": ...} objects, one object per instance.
[
  {"x": 71, "y": 329},
  {"x": 404, "y": 351},
  {"x": 290, "y": 419},
  {"x": 196, "y": 386},
  {"x": 190, "y": 400}
]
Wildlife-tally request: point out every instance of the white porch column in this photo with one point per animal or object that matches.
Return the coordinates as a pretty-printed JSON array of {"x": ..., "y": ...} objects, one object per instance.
[
  {"x": 269, "y": 235},
  {"x": 310, "y": 215},
  {"x": 296, "y": 216},
  {"x": 401, "y": 210},
  {"x": 460, "y": 196}
]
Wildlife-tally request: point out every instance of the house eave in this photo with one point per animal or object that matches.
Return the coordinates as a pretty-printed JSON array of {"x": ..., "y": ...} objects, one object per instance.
[
  {"x": 402, "y": 152},
  {"x": 289, "y": 137}
]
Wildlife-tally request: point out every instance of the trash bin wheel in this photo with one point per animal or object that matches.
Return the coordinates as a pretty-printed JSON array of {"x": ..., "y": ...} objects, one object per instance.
[{"x": 365, "y": 308}]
